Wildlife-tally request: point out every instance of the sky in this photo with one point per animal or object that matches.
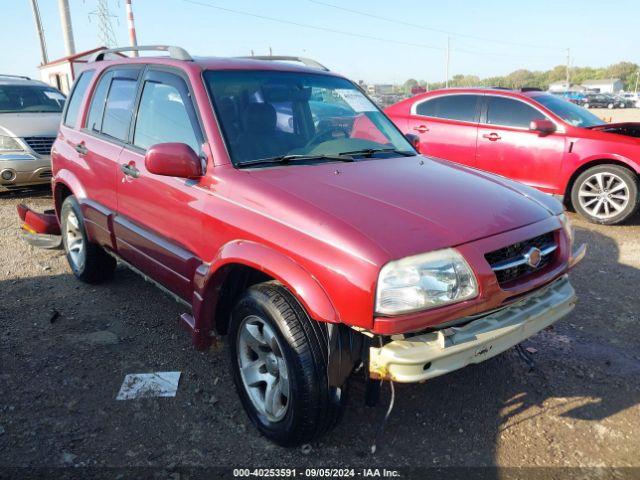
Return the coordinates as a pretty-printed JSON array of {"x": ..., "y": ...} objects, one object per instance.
[{"x": 378, "y": 41}]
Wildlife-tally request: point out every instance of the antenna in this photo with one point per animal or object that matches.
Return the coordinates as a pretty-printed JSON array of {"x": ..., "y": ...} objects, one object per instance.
[{"x": 106, "y": 36}]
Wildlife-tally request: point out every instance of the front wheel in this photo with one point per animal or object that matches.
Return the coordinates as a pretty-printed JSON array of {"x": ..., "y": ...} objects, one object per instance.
[
  {"x": 88, "y": 261},
  {"x": 606, "y": 194},
  {"x": 279, "y": 363}
]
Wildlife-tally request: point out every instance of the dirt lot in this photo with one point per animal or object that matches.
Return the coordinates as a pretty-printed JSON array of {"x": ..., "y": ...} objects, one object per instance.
[
  {"x": 618, "y": 114},
  {"x": 59, "y": 380}
]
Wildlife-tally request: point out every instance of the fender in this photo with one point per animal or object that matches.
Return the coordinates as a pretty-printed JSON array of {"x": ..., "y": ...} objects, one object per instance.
[
  {"x": 568, "y": 173},
  {"x": 284, "y": 269},
  {"x": 209, "y": 278},
  {"x": 69, "y": 180}
]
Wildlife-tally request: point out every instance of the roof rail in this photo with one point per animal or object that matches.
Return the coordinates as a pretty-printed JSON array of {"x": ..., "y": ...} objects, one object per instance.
[
  {"x": 24, "y": 77},
  {"x": 305, "y": 61},
  {"x": 177, "y": 53},
  {"x": 530, "y": 89}
]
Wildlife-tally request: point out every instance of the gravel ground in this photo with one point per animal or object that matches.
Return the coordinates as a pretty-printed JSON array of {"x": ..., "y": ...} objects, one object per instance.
[{"x": 59, "y": 379}]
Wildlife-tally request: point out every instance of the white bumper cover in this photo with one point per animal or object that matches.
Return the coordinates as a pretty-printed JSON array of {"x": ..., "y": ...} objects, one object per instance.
[{"x": 430, "y": 355}]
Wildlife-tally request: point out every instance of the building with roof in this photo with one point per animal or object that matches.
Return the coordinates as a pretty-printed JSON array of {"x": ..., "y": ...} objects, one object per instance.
[
  {"x": 605, "y": 85},
  {"x": 60, "y": 73}
]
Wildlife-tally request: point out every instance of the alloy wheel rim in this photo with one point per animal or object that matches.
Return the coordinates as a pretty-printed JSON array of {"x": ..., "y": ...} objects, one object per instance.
[
  {"x": 604, "y": 195},
  {"x": 263, "y": 369},
  {"x": 74, "y": 241}
]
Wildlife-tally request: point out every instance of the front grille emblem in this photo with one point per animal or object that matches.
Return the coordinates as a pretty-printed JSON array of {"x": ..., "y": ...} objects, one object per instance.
[{"x": 533, "y": 257}]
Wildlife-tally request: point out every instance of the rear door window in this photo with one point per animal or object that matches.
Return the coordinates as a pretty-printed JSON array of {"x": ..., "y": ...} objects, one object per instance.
[
  {"x": 75, "y": 100},
  {"x": 166, "y": 113},
  {"x": 118, "y": 108},
  {"x": 507, "y": 112},
  {"x": 462, "y": 108}
]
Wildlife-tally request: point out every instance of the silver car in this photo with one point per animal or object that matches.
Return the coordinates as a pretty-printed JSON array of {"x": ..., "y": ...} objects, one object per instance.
[{"x": 30, "y": 112}]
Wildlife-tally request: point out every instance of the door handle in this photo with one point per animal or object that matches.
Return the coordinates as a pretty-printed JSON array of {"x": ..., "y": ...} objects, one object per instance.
[
  {"x": 421, "y": 128},
  {"x": 130, "y": 170},
  {"x": 81, "y": 149},
  {"x": 492, "y": 136}
]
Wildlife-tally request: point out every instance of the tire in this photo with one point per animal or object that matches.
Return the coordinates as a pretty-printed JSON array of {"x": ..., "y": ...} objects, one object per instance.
[
  {"x": 268, "y": 318},
  {"x": 586, "y": 105},
  {"x": 614, "y": 203},
  {"x": 88, "y": 261},
  {"x": 610, "y": 106}
]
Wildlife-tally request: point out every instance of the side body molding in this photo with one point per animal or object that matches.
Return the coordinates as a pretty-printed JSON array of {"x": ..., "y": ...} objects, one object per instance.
[{"x": 210, "y": 277}]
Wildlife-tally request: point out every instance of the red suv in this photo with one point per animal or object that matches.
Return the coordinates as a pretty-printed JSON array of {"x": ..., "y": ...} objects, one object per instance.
[
  {"x": 284, "y": 209},
  {"x": 536, "y": 138}
]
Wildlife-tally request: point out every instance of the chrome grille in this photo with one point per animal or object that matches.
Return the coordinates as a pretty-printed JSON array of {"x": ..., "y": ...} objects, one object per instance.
[
  {"x": 40, "y": 145},
  {"x": 512, "y": 263}
]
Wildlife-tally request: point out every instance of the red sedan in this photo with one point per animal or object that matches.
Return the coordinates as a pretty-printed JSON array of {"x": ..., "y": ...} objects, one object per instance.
[{"x": 533, "y": 137}]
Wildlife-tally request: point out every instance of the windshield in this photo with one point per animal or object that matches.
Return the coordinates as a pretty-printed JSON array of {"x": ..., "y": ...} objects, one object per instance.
[
  {"x": 30, "y": 98},
  {"x": 569, "y": 112},
  {"x": 271, "y": 114}
]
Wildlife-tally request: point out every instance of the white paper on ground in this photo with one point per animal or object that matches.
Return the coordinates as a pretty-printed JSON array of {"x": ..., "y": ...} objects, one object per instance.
[{"x": 146, "y": 385}]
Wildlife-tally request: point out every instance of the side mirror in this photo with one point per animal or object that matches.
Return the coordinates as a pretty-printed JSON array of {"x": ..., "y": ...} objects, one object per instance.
[
  {"x": 173, "y": 160},
  {"x": 414, "y": 140},
  {"x": 542, "y": 126}
]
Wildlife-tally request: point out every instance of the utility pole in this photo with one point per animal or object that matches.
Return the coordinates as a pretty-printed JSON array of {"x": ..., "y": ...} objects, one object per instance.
[
  {"x": 132, "y": 28},
  {"x": 67, "y": 29},
  {"x": 568, "y": 68},
  {"x": 40, "y": 31},
  {"x": 448, "y": 58},
  {"x": 637, "y": 77}
]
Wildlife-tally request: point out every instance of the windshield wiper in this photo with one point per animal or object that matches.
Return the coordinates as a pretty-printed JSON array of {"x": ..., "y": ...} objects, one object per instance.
[
  {"x": 370, "y": 152},
  {"x": 286, "y": 159}
]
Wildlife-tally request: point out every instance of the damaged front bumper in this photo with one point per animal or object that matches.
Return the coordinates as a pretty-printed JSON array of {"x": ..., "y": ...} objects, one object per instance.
[{"x": 418, "y": 358}]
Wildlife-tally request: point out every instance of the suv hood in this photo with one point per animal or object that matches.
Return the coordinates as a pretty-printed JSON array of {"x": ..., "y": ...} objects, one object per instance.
[
  {"x": 29, "y": 124},
  {"x": 405, "y": 205}
]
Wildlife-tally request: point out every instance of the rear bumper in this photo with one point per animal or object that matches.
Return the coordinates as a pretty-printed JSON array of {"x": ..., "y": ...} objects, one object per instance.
[{"x": 430, "y": 355}]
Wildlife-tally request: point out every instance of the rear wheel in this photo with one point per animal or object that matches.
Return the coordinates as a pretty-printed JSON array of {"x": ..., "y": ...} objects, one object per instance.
[
  {"x": 88, "y": 261},
  {"x": 606, "y": 194},
  {"x": 610, "y": 106},
  {"x": 279, "y": 363},
  {"x": 586, "y": 105}
]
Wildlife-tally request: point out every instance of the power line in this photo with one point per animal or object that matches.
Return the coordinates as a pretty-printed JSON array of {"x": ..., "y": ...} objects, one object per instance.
[
  {"x": 344, "y": 32},
  {"x": 315, "y": 27},
  {"x": 424, "y": 27}
]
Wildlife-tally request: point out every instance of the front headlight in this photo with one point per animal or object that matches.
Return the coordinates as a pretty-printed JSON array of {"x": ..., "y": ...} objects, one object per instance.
[
  {"x": 9, "y": 145},
  {"x": 424, "y": 281},
  {"x": 567, "y": 226}
]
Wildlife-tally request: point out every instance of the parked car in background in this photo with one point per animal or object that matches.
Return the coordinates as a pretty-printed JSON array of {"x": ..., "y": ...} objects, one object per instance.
[
  {"x": 600, "y": 100},
  {"x": 29, "y": 117},
  {"x": 317, "y": 249},
  {"x": 624, "y": 102},
  {"x": 633, "y": 97},
  {"x": 535, "y": 138},
  {"x": 578, "y": 98}
]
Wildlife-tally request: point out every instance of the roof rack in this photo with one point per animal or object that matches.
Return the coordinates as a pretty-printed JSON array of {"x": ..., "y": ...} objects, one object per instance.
[
  {"x": 305, "y": 61},
  {"x": 176, "y": 53},
  {"x": 530, "y": 89},
  {"x": 24, "y": 77}
]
